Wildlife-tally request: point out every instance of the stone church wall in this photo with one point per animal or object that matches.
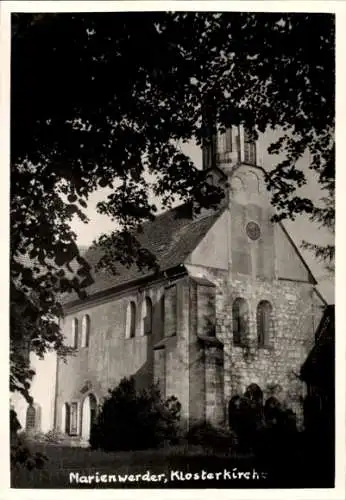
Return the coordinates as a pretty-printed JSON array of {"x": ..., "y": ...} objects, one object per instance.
[{"x": 274, "y": 368}]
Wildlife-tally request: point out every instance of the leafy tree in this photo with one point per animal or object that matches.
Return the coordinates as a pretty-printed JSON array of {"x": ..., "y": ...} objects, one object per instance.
[
  {"x": 130, "y": 419},
  {"x": 266, "y": 427},
  {"x": 104, "y": 100}
]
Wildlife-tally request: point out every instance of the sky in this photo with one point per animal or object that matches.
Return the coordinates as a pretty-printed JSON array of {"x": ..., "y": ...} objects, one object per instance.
[{"x": 299, "y": 230}]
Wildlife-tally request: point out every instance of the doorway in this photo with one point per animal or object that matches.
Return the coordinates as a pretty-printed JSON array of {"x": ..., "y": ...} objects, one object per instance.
[{"x": 89, "y": 413}]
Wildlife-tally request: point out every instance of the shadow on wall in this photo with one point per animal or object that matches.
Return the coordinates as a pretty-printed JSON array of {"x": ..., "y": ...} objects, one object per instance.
[{"x": 153, "y": 332}]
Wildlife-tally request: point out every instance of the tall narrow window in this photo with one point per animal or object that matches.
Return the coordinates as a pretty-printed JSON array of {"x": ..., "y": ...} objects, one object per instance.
[
  {"x": 74, "y": 419},
  {"x": 249, "y": 148},
  {"x": 224, "y": 145},
  {"x": 74, "y": 342},
  {"x": 130, "y": 320},
  {"x": 264, "y": 322},
  {"x": 240, "y": 313},
  {"x": 147, "y": 316},
  {"x": 85, "y": 331}
]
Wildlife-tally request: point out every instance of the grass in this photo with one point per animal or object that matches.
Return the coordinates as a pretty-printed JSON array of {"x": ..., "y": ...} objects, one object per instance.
[
  {"x": 62, "y": 460},
  {"x": 183, "y": 458}
]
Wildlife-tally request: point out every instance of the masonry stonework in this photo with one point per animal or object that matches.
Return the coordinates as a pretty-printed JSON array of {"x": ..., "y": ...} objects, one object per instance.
[{"x": 275, "y": 368}]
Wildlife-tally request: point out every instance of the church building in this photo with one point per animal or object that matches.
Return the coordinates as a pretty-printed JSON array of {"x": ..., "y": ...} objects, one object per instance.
[{"x": 234, "y": 303}]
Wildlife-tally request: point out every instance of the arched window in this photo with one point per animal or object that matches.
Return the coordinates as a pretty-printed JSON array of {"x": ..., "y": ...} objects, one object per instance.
[
  {"x": 85, "y": 330},
  {"x": 147, "y": 316},
  {"x": 74, "y": 341},
  {"x": 240, "y": 314},
  {"x": 130, "y": 320},
  {"x": 264, "y": 322}
]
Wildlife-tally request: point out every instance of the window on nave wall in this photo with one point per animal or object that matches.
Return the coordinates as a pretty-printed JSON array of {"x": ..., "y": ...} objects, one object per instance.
[
  {"x": 74, "y": 335},
  {"x": 240, "y": 317},
  {"x": 147, "y": 316},
  {"x": 130, "y": 328},
  {"x": 85, "y": 331}
]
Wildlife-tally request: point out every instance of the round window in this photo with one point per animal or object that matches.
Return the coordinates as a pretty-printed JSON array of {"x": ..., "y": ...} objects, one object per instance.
[{"x": 253, "y": 230}]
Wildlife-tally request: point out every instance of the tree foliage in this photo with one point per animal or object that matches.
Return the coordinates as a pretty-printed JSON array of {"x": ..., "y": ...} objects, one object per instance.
[
  {"x": 131, "y": 420},
  {"x": 268, "y": 427},
  {"x": 104, "y": 100}
]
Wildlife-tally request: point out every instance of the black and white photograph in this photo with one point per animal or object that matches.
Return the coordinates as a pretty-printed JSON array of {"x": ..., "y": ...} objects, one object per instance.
[{"x": 172, "y": 247}]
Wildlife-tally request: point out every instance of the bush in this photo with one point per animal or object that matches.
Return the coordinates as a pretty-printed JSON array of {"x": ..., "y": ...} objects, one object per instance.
[
  {"x": 130, "y": 420},
  {"x": 245, "y": 419},
  {"x": 268, "y": 429},
  {"x": 22, "y": 456},
  {"x": 50, "y": 437},
  {"x": 32, "y": 437},
  {"x": 210, "y": 437},
  {"x": 53, "y": 437},
  {"x": 278, "y": 438},
  {"x": 20, "y": 452}
]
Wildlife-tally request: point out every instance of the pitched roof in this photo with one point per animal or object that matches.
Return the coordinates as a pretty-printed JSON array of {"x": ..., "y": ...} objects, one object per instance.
[{"x": 171, "y": 237}]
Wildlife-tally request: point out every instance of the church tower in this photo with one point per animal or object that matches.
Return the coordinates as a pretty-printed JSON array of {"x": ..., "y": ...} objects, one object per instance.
[
  {"x": 227, "y": 149},
  {"x": 251, "y": 245}
]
